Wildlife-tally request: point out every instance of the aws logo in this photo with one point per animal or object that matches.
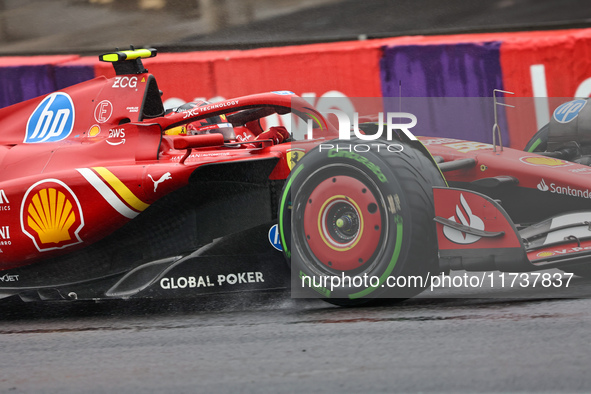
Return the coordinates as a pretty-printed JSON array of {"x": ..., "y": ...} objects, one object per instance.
[
  {"x": 52, "y": 120},
  {"x": 51, "y": 215},
  {"x": 116, "y": 136}
]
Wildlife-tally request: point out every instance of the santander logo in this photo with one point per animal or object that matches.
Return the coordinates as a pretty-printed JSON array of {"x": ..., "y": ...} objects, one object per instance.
[
  {"x": 566, "y": 190},
  {"x": 467, "y": 218},
  {"x": 542, "y": 186}
]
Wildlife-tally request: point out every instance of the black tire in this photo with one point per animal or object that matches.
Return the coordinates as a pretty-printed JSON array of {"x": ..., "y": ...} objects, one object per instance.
[
  {"x": 360, "y": 215},
  {"x": 539, "y": 142}
]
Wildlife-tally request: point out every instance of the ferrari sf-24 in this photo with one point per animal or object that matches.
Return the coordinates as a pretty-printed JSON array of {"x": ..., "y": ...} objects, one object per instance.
[{"x": 104, "y": 194}]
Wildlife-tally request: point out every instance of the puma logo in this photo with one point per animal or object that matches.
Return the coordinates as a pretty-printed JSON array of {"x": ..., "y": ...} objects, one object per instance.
[{"x": 163, "y": 178}]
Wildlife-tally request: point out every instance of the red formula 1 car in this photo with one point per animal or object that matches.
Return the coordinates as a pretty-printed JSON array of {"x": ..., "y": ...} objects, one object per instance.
[{"x": 105, "y": 195}]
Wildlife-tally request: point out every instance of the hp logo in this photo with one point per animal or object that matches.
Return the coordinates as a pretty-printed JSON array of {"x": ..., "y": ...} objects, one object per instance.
[
  {"x": 569, "y": 110},
  {"x": 274, "y": 238},
  {"x": 52, "y": 120}
]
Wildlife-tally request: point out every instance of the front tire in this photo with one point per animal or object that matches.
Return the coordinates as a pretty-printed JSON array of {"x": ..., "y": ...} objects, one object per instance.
[
  {"x": 364, "y": 216},
  {"x": 539, "y": 142}
]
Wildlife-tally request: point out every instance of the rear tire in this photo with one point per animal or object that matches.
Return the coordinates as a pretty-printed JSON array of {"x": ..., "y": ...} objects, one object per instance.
[{"x": 360, "y": 215}]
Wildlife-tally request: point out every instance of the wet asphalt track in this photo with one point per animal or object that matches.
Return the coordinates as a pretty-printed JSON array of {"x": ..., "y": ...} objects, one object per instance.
[{"x": 275, "y": 344}]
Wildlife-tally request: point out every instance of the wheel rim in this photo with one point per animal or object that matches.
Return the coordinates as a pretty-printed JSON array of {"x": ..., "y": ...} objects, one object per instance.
[{"x": 343, "y": 220}]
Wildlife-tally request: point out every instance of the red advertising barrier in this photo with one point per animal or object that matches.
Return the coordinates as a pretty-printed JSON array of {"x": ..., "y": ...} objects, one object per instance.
[
  {"x": 541, "y": 64},
  {"x": 554, "y": 64},
  {"x": 350, "y": 68},
  {"x": 318, "y": 73}
]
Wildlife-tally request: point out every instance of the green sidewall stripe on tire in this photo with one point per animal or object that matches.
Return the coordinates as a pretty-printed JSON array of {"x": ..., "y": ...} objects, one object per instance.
[
  {"x": 282, "y": 207},
  {"x": 535, "y": 145},
  {"x": 393, "y": 261}
]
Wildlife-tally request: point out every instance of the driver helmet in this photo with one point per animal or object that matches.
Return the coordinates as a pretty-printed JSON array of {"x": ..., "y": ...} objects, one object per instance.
[{"x": 214, "y": 124}]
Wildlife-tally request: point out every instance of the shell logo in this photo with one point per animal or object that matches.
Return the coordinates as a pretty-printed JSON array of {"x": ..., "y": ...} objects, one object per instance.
[
  {"x": 94, "y": 131},
  {"x": 51, "y": 215},
  {"x": 544, "y": 161},
  {"x": 545, "y": 254}
]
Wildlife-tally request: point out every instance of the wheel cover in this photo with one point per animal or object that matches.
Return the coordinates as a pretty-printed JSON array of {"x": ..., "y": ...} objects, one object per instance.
[{"x": 342, "y": 223}]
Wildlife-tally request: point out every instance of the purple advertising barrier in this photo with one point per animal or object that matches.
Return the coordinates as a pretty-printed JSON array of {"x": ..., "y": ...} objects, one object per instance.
[
  {"x": 26, "y": 77},
  {"x": 448, "y": 87},
  {"x": 71, "y": 74},
  {"x": 20, "y": 83}
]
